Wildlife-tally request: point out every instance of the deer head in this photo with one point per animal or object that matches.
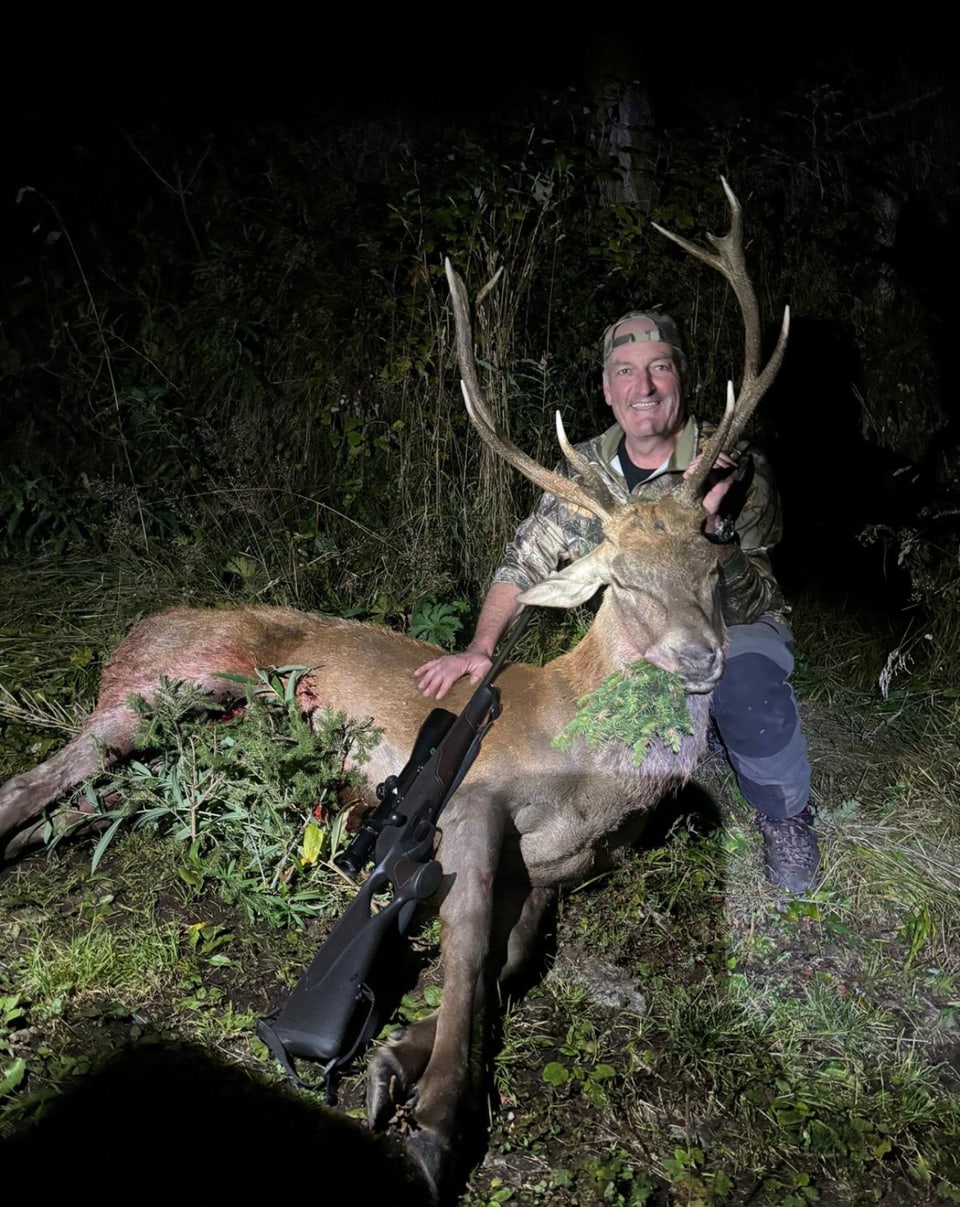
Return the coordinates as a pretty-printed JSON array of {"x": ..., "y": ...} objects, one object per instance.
[{"x": 659, "y": 568}]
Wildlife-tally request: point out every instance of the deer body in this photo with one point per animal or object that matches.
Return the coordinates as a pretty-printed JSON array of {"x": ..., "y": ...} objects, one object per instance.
[
  {"x": 529, "y": 817},
  {"x": 367, "y": 671}
]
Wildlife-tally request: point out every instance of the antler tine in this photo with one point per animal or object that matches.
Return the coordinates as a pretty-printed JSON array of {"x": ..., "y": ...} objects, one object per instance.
[
  {"x": 591, "y": 479},
  {"x": 752, "y": 392},
  {"x": 579, "y": 495},
  {"x": 736, "y": 415},
  {"x": 729, "y": 261}
]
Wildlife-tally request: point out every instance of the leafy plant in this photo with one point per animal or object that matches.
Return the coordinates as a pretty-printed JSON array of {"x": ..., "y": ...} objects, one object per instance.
[
  {"x": 41, "y": 515},
  {"x": 254, "y": 797},
  {"x": 589, "y": 1080},
  {"x": 437, "y": 621},
  {"x": 12, "y": 1068}
]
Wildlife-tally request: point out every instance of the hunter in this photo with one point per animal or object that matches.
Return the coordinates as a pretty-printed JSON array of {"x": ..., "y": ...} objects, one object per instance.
[{"x": 652, "y": 444}]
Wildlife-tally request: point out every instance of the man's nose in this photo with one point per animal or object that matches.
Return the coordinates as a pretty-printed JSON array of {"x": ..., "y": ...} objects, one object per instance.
[{"x": 645, "y": 380}]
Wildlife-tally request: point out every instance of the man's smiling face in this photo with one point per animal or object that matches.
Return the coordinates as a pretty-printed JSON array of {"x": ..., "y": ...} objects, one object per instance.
[{"x": 641, "y": 383}]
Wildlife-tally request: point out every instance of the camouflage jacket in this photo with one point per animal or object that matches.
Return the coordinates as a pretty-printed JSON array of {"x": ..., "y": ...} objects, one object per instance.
[{"x": 557, "y": 532}]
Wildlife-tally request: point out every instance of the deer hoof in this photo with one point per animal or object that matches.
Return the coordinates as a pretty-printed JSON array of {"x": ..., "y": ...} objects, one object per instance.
[{"x": 387, "y": 1090}]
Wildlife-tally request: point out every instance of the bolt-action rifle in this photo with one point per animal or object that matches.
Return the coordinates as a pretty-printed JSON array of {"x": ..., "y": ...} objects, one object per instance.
[{"x": 333, "y": 1012}]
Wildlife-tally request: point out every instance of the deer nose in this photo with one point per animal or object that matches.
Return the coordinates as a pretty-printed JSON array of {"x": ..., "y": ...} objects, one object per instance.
[{"x": 700, "y": 666}]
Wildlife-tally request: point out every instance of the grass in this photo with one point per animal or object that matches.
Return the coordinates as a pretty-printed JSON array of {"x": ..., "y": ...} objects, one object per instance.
[
  {"x": 699, "y": 1038},
  {"x": 791, "y": 1050},
  {"x": 779, "y": 1037}
]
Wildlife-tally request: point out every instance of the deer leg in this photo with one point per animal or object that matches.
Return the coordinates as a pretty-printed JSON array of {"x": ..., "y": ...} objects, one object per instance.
[
  {"x": 489, "y": 945},
  {"x": 394, "y": 1068},
  {"x": 436, "y": 1051},
  {"x": 467, "y": 916},
  {"x": 107, "y": 736},
  {"x": 83, "y": 817},
  {"x": 524, "y": 932},
  {"x": 182, "y": 646}
]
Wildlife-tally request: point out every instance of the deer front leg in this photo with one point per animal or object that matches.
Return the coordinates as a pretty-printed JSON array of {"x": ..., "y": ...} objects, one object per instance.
[
  {"x": 394, "y": 1068},
  {"x": 429, "y": 1062},
  {"x": 521, "y": 930}
]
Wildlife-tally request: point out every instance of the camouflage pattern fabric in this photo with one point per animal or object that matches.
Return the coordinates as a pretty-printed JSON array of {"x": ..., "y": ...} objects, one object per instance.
[{"x": 557, "y": 532}]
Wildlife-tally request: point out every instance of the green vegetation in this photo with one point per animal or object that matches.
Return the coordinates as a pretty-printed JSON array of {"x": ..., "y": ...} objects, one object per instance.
[
  {"x": 256, "y": 797},
  {"x": 638, "y": 705}
]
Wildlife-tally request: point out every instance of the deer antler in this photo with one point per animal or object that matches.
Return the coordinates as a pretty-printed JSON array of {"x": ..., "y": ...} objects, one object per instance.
[
  {"x": 729, "y": 261},
  {"x": 592, "y": 493}
]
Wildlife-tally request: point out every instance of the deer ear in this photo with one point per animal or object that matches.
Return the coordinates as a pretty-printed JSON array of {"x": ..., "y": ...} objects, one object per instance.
[
  {"x": 573, "y": 585},
  {"x": 558, "y": 592}
]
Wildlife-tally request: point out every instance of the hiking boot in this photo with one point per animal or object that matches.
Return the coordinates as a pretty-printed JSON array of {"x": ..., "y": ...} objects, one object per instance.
[{"x": 791, "y": 856}]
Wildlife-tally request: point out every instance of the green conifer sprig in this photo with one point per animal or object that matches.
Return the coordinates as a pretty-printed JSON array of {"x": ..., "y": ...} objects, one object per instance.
[{"x": 636, "y": 705}]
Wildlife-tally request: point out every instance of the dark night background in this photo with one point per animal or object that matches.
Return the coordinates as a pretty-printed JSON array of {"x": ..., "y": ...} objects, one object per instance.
[{"x": 100, "y": 126}]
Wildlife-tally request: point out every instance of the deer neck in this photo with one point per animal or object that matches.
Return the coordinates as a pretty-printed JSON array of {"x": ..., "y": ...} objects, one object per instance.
[{"x": 606, "y": 648}]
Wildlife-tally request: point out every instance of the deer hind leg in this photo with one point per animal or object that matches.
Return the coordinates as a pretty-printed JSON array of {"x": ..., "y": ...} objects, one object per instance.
[
  {"x": 182, "y": 645},
  {"x": 106, "y": 736}
]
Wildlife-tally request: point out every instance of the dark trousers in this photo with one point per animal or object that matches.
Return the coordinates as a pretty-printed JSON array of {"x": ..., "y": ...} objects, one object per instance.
[{"x": 755, "y": 712}]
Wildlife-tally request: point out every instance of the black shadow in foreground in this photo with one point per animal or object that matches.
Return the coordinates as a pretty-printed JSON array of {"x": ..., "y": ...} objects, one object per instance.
[{"x": 163, "y": 1117}]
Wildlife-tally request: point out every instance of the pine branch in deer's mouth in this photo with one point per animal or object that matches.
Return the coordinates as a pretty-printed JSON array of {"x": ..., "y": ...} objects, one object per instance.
[{"x": 635, "y": 706}]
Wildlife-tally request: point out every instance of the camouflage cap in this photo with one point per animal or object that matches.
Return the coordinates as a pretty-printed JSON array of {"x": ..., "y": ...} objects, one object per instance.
[{"x": 663, "y": 330}]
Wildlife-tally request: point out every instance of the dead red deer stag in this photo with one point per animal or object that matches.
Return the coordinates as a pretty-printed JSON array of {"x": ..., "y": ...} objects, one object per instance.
[{"x": 529, "y": 817}]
